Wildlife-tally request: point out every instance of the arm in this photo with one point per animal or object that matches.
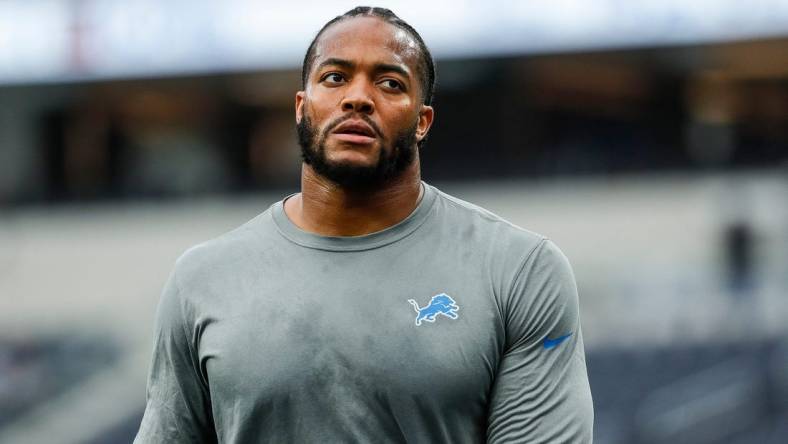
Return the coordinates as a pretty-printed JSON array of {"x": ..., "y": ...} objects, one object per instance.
[
  {"x": 178, "y": 406},
  {"x": 541, "y": 391}
]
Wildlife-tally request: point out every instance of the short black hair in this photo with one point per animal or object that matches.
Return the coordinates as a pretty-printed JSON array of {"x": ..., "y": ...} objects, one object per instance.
[{"x": 426, "y": 65}]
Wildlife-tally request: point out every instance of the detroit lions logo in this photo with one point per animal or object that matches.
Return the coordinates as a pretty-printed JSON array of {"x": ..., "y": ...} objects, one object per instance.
[{"x": 440, "y": 304}]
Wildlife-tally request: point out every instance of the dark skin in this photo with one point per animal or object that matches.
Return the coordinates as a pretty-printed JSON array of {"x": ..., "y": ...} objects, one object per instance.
[{"x": 363, "y": 66}]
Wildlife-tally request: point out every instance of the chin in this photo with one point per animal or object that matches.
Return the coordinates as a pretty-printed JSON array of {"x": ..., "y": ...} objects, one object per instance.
[{"x": 362, "y": 157}]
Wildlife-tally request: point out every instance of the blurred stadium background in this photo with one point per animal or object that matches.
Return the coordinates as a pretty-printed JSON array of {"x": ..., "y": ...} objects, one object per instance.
[{"x": 649, "y": 139}]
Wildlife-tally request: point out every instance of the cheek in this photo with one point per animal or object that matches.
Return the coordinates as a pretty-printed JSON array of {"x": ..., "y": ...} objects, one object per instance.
[
  {"x": 402, "y": 115},
  {"x": 322, "y": 103},
  {"x": 395, "y": 105}
]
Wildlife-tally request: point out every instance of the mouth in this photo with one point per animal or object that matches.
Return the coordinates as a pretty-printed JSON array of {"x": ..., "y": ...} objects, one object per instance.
[{"x": 355, "y": 132}]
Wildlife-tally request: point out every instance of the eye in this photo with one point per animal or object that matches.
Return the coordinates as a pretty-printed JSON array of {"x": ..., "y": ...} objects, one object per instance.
[
  {"x": 392, "y": 84},
  {"x": 333, "y": 78}
]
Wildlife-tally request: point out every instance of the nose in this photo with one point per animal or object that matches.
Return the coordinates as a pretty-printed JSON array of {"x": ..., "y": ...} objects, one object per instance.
[{"x": 358, "y": 98}]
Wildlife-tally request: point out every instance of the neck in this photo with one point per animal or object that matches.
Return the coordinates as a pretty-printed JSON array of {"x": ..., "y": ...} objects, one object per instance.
[{"x": 327, "y": 209}]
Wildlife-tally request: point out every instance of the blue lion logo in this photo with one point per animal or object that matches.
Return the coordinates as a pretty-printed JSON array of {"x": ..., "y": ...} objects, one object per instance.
[{"x": 440, "y": 304}]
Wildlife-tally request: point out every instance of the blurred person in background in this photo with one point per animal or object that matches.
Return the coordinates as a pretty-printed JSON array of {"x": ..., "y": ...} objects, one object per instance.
[{"x": 369, "y": 307}]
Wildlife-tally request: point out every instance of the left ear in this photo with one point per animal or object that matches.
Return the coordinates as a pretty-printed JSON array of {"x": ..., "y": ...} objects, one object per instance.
[{"x": 426, "y": 115}]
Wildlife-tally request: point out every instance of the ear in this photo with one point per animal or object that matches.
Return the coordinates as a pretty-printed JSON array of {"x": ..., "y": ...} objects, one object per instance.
[
  {"x": 426, "y": 115},
  {"x": 299, "y": 105}
]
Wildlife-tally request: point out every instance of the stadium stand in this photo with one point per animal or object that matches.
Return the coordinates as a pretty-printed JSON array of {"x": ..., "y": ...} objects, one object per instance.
[{"x": 32, "y": 371}]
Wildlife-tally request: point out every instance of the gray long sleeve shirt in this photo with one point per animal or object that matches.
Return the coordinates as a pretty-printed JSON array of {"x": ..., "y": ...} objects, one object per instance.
[{"x": 451, "y": 326}]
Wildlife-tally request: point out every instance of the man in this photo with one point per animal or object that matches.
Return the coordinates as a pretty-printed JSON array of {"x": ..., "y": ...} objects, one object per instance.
[{"x": 371, "y": 307}]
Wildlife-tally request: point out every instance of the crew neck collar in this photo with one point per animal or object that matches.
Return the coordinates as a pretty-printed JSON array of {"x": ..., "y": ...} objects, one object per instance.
[{"x": 354, "y": 243}]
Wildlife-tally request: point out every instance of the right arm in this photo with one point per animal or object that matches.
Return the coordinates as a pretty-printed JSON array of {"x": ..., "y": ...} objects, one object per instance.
[{"x": 178, "y": 408}]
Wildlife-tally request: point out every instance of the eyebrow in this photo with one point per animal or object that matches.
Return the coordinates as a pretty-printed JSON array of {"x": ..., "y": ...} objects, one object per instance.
[{"x": 378, "y": 67}]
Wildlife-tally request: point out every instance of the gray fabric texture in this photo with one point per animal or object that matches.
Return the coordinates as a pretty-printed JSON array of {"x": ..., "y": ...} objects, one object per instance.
[{"x": 445, "y": 328}]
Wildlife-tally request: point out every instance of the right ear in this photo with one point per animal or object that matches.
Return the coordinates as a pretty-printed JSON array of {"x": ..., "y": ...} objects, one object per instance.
[{"x": 299, "y": 105}]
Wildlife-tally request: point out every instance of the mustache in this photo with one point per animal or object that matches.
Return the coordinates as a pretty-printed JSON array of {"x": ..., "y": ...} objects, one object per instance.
[{"x": 339, "y": 120}]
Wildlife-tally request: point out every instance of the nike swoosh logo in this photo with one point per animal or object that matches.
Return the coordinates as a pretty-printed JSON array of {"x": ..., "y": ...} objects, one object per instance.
[{"x": 550, "y": 343}]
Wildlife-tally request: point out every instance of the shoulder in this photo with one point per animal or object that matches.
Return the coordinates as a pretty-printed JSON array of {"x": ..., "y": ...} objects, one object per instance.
[
  {"x": 512, "y": 254},
  {"x": 226, "y": 251},
  {"x": 476, "y": 223}
]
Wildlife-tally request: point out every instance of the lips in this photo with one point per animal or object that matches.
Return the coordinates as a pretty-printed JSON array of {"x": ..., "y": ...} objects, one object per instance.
[{"x": 355, "y": 131}]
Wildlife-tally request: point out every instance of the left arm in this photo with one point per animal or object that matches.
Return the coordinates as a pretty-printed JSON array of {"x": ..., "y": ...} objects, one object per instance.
[{"x": 541, "y": 391}]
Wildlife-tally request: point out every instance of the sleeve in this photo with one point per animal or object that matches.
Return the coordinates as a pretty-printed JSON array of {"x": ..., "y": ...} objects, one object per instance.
[
  {"x": 178, "y": 401},
  {"x": 541, "y": 392}
]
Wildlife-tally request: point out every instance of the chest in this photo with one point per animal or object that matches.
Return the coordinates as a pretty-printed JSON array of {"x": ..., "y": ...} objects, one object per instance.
[{"x": 351, "y": 327}]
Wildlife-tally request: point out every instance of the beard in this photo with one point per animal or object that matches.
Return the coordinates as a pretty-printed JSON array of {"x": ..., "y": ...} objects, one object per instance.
[{"x": 392, "y": 160}]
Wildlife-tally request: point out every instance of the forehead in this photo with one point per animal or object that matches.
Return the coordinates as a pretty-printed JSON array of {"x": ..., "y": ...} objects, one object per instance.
[{"x": 367, "y": 37}]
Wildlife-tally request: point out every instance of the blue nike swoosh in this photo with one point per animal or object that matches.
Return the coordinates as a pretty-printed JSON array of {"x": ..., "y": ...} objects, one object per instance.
[{"x": 550, "y": 343}]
